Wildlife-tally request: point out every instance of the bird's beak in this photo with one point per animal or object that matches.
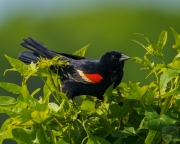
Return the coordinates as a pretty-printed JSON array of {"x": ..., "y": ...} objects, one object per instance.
[{"x": 124, "y": 57}]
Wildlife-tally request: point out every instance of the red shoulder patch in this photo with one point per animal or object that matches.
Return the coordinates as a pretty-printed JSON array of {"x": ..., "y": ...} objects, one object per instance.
[{"x": 94, "y": 78}]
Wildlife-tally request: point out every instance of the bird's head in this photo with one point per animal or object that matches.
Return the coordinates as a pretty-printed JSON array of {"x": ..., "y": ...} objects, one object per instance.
[{"x": 113, "y": 60}]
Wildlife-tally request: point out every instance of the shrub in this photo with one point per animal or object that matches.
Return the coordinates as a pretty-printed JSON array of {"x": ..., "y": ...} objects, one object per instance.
[{"x": 129, "y": 114}]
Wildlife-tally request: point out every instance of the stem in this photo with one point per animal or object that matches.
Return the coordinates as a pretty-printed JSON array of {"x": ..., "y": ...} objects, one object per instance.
[
  {"x": 48, "y": 87},
  {"x": 162, "y": 60},
  {"x": 158, "y": 83},
  {"x": 81, "y": 130},
  {"x": 83, "y": 124},
  {"x": 84, "y": 139},
  {"x": 52, "y": 79},
  {"x": 72, "y": 137},
  {"x": 168, "y": 102},
  {"x": 57, "y": 96},
  {"x": 52, "y": 136},
  {"x": 140, "y": 137},
  {"x": 166, "y": 105},
  {"x": 176, "y": 81},
  {"x": 60, "y": 125},
  {"x": 58, "y": 80},
  {"x": 119, "y": 123}
]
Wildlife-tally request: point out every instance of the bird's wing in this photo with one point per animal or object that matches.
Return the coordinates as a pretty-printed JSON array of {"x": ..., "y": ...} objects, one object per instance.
[
  {"x": 69, "y": 72},
  {"x": 72, "y": 73},
  {"x": 70, "y": 56}
]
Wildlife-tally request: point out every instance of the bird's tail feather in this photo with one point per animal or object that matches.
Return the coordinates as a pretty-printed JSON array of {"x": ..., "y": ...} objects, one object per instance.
[
  {"x": 27, "y": 57},
  {"x": 37, "y": 49}
]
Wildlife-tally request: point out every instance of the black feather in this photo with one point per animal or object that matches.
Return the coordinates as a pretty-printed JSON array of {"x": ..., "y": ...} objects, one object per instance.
[
  {"x": 27, "y": 57},
  {"x": 75, "y": 77},
  {"x": 38, "y": 48},
  {"x": 71, "y": 56}
]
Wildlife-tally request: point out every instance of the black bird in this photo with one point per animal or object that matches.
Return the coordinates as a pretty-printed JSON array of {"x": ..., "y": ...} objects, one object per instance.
[{"x": 83, "y": 76}]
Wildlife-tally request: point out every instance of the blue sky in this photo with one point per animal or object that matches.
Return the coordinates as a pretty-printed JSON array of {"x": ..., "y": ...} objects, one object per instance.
[{"x": 11, "y": 7}]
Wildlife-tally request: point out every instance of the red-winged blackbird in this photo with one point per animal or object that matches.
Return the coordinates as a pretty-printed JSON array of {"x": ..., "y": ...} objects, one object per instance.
[{"x": 83, "y": 76}]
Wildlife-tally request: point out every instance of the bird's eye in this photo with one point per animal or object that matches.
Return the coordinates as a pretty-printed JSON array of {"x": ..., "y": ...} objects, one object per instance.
[{"x": 114, "y": 57}]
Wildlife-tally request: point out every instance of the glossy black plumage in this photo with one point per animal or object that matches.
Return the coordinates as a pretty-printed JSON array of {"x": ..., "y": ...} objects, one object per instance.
[{"x": 83, "y": 76}]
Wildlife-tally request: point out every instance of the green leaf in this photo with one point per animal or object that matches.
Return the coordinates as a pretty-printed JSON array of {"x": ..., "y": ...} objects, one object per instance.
[
  {"x": 82, "y": 51},
  {"x": 21, "y": 102},
  {"x": 11, "y": 87},
  {"x": 7, "y": 101},
  {"x": 128, "y": 131},
  {"x": 153, "y": 137},
  {"x": 103, "y": 119},
  {"x": 39, "y": 110},
  {"x": 54, "y": 107},
  {"x": 88, "y": 106},
  {"x": 92, "y": 140},
  {"x": 174, "y": 91},
  {"x": 174, "y": 65},
  {"x": 116, "y": 111},
  {"x": 24, "y": 90},
  {"x": 148, "y": 63},
  {"x": 96, "y": 140},
  {"x": 62, "y": 107},
  {"x": 6, "y": 134},
  {"x": 7, "y": 125},
  {"x": 148, "y": 98},
  {"x": 166, "y": 77},
  {"x": 155, "y": 49},
  {"x": 34, "y": 104},
  {"x": 41, "y": 135},
  {"x": 177, "y": 57},
  {"x": 155, "y": 123},
  {"x": 20, "y": 115},
  {"x": 139, "y": 61},
  {"x": 162, "y": 40},
  {"x": 61, "y": 141},
  {"x": 102, "y": 140},
  {"x": 157, "y": 67},
  {"x": 118, "y": 141},
  {"x": 48, "y": 87},
  {"x": 39, "y": 116},
  {"x": 135, "y": 91},
  {"x": 18, "y": 65},
  {"x": 177, "y": 40},
  {"x": 141, "y": 43},
  {"x": 22, "y": 136}
]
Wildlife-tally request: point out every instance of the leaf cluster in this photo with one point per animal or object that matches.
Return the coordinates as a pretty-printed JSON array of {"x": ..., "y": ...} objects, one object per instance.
[{"x": 131, "y": 113}]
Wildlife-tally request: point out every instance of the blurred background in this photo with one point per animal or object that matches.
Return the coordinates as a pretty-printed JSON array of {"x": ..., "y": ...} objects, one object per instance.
[{"x": 66, "y": 26}]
